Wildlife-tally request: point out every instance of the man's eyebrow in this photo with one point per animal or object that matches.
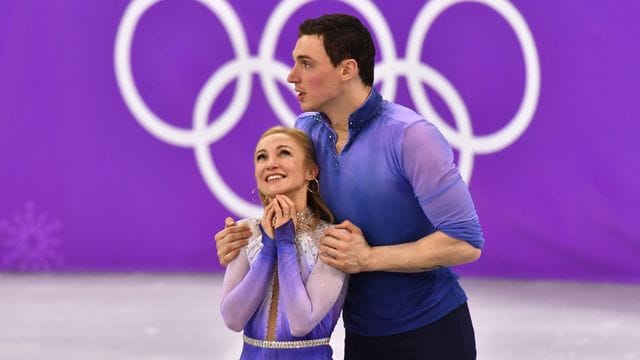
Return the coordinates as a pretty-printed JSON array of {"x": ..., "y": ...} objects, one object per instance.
[{"x": 303, "y": 57}]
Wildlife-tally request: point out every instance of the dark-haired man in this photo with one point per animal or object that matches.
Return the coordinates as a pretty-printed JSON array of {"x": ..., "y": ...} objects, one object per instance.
[{"x": 405, "y": 213}]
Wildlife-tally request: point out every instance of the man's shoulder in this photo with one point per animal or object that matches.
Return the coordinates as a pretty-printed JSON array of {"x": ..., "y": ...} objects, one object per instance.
[
  {"x": 308, "y": 120},
  {"x": 398, "y": 121},
  {"x": 308, "y": 116},
  {"x": 400, "y": 114}
]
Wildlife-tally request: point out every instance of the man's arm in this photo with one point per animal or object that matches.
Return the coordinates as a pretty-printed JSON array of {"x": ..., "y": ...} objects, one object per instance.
[{"x": 345, "y": 248}]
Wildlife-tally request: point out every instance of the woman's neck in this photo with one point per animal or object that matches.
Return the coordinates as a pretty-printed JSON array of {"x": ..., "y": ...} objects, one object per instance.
[{"x": 299, "y": 199}]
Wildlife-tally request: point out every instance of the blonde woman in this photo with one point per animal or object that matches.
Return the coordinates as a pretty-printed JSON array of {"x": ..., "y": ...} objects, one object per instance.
[{"x": 286, "y": 301}]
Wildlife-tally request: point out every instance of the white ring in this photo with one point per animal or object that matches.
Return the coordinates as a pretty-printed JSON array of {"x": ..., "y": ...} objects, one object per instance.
[
  {"x": 243, "y": 66},
  {"x": 485, "y": 143}
]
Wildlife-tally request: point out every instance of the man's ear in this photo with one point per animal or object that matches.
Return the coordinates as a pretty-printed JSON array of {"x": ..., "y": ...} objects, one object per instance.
[{"x": 349, "y": 69}]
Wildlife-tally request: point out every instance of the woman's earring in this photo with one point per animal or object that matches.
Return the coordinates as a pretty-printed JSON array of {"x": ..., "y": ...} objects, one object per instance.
[
  {"x": 255, "y": 198},
  {"x": 311, "y": 187}
]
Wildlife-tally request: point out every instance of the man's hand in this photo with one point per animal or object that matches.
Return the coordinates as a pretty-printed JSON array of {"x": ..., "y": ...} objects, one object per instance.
[
  {"x": 230, "y": 240},
  {"x": 345, "y": 248}
]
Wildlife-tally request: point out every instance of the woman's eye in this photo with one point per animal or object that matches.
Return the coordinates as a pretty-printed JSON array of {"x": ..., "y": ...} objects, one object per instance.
[
  {"x": 261, "y": 157},
  {"x": 285, "y": 152}
]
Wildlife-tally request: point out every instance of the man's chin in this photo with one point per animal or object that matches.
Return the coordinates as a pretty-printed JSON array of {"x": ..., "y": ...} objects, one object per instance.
[{"x": 305, "y": 107}]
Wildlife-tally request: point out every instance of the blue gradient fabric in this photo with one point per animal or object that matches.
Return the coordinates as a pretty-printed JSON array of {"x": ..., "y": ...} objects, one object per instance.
[
  {"x": 310, "y": 297},
  {"x": 395, "y": 179}
]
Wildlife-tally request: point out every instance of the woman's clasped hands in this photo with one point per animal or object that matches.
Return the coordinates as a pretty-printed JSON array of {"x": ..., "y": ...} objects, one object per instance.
[{"x": 277, "y": 213}]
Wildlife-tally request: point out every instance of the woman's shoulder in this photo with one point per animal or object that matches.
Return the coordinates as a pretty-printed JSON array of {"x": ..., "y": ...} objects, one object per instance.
[
  {"x": 323, "y": 224},
  {"x": 320, "y": 227},
  {"x": 251, "y": 223},
  {"x": 255, "y": 241}
]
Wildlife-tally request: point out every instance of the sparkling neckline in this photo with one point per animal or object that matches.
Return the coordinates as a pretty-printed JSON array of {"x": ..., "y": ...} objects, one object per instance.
[{"x": 305, "y": 219}]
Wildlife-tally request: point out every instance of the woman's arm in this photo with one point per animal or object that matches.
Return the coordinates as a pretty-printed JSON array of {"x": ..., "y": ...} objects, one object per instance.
[
  {"x": 245, "y": 286},
  {"x": 304, "y": 305}
]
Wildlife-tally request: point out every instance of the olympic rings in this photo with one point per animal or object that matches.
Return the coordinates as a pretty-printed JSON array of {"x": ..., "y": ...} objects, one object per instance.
[{"x": 244, "y": 65}]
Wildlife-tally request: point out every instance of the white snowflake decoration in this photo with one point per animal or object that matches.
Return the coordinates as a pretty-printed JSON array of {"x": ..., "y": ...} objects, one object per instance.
[{"x": 29, "y": 242}]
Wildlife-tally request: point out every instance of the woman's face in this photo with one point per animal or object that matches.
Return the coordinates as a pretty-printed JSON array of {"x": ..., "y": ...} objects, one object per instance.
[{"x": 280, "y": 167}]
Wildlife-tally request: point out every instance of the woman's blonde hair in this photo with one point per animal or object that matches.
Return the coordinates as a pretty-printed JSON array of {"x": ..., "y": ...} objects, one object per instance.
[{"x": 314, "y": 200}]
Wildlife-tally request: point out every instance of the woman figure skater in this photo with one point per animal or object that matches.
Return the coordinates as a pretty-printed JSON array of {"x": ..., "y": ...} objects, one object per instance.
[{"x": 286, "y": 301}]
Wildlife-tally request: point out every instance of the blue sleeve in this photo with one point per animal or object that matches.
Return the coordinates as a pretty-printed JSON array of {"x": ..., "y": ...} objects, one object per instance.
[
  {"x": 305, "y": 305},
  {"x": 427, "y": 161},
  {"x": 245, "y": 286}
]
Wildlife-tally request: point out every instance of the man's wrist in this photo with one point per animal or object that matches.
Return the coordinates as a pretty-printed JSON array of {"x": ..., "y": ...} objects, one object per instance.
[{"x": 370, "y": 263}]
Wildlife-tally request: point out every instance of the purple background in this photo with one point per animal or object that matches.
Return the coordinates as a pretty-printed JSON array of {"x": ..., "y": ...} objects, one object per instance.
[{"x": 84, "y": 187}]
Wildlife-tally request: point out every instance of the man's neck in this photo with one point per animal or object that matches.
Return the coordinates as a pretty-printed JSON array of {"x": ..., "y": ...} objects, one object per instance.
[{"x": 352, "y": 101}]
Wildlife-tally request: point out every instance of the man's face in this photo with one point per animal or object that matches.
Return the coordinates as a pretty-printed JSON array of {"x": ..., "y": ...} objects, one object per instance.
[{"x": 317, "y": 81}]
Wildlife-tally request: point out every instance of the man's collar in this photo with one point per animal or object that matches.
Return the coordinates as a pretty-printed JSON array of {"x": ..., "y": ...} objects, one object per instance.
[{"x": 361, "y": 117}]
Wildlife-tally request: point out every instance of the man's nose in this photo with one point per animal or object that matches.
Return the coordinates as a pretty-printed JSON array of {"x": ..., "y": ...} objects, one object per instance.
[{"x": 292, "y": 77}]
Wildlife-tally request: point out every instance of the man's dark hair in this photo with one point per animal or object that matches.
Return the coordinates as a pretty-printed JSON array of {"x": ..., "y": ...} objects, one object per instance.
[{"x": 344, "y": 37}]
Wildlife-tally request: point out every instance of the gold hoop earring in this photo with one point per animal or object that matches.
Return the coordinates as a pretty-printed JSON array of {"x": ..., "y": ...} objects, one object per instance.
[
  {"x": 317, "y": 187},
  {"x": 255, "y": 196},
  {"x": 255, "y": 192}
]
